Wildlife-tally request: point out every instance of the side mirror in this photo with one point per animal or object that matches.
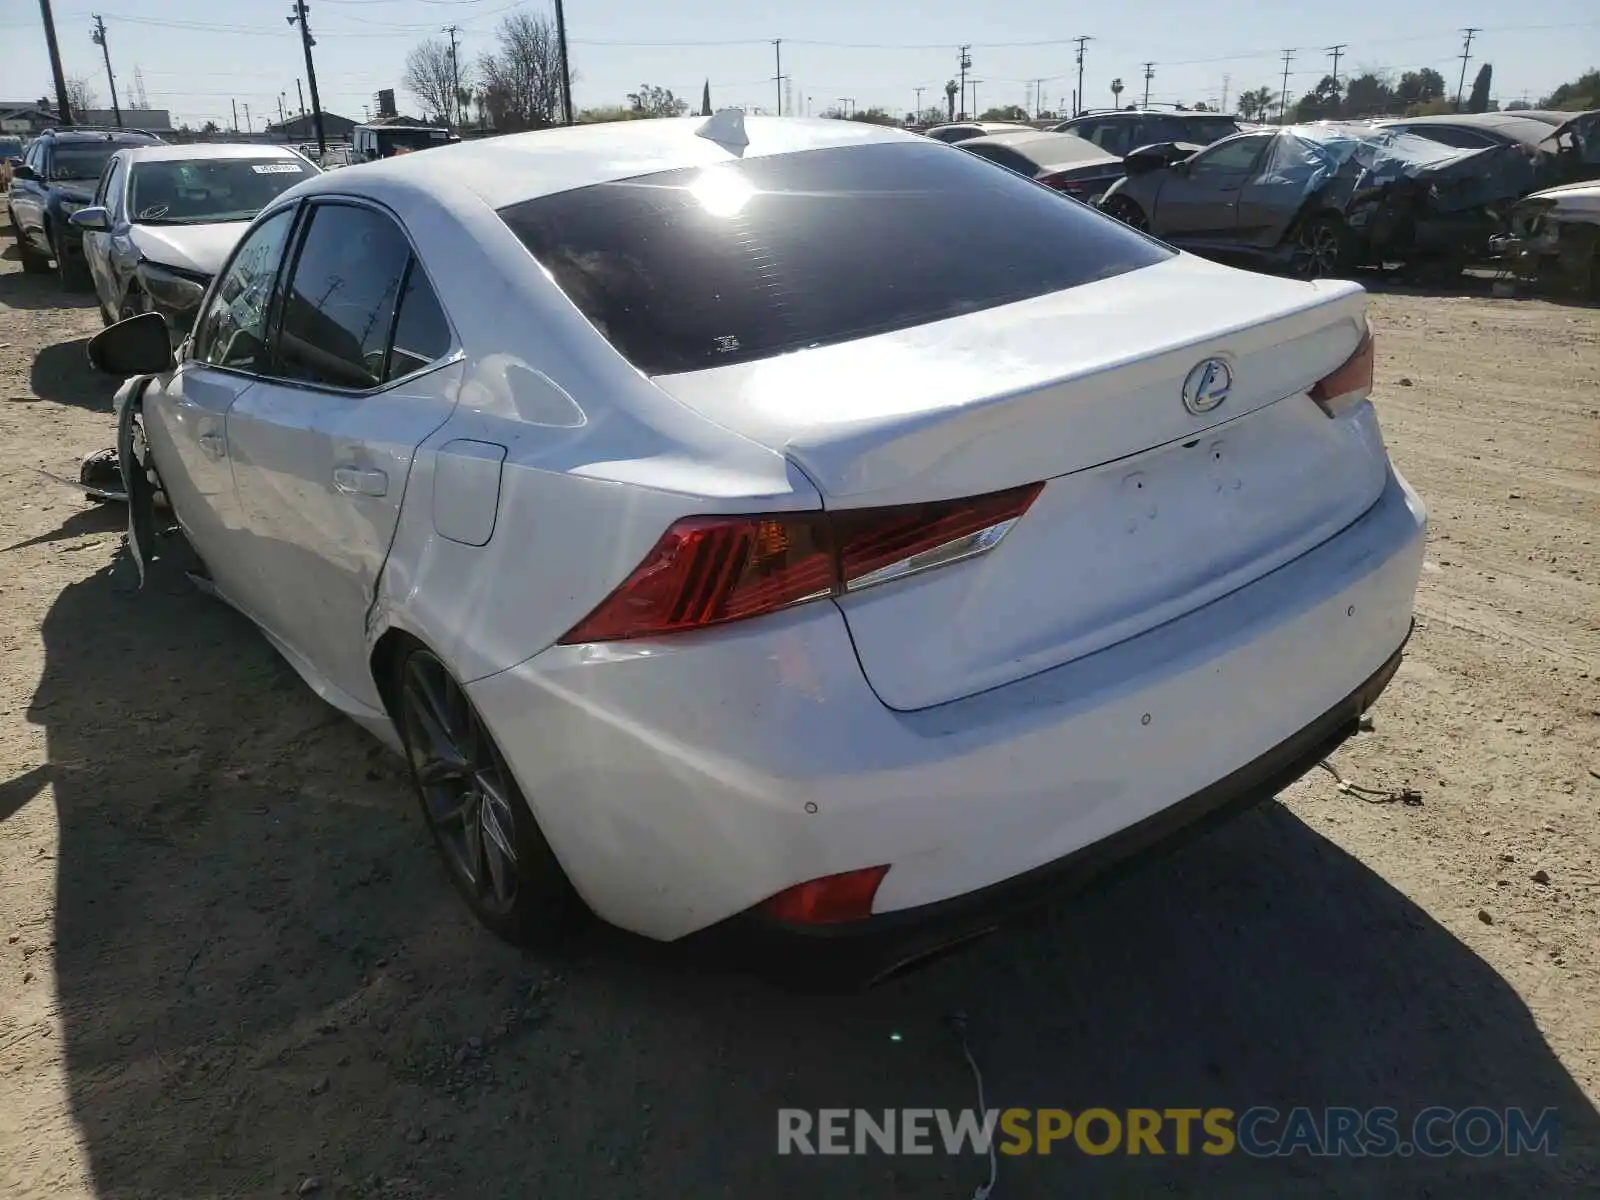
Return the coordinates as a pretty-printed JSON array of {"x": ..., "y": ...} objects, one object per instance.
[
  {"x": 95, "y": 218},
  {"x": 138, "y": 346},
  {"x": 23, "y": 171}
]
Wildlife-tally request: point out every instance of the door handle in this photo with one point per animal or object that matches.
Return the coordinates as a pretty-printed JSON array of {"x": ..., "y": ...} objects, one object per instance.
[
  {"x": 353, "y": 481},
  {"x": 213, "y": 445}
]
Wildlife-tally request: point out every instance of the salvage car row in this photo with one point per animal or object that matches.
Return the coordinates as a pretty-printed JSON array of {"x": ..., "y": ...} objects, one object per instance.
[{"x": 1432, "y": 194}]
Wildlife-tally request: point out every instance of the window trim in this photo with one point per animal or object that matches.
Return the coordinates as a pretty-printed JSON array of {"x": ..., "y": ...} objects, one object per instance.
[{"x": 291, "y": 259}]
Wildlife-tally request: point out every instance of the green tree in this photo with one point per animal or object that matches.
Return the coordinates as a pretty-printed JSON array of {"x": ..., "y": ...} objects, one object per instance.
[
  {"x": 875, "y": 116},
  {"x": 1369, "y": 95},
  {"x": 1478, "y": 101},
  {"x": 608, "y": 112},
  {"x": 1006, "y": 112},
  {"x": 1581, "y": 94},
  {"x": 1321, "y": 103},
  {"x": 1419, "y": 87},
  {"x": 1257, "y": 104},
  {"x": 652, "y": 101}
]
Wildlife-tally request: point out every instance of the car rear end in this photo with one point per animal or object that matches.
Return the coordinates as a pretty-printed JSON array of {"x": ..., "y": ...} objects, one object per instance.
[{"x": 1106, "y": 541}]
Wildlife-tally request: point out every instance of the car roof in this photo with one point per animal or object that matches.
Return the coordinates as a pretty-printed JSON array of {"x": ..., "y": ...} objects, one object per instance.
[
  {"x": 1515, "y": 126},
  {"x": 522, "y": 166},
  {"x": 207, "y": 150},
  {"x": 124, "y": 136},
  {"x": 1042, "y": 147}
]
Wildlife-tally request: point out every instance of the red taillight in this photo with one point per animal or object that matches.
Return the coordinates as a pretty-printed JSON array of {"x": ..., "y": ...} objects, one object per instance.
[
  {"x": 829, "y": 900},
  {"x": 708, "y": 570},
  {"x": 1350, "y": 384},
  {"x": 1073, "y": 187}
]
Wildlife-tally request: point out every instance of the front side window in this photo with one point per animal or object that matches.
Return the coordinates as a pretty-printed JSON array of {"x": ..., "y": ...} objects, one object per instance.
[
  {"x": 201, "y": 191},
  {"x": 109, "y": 182},
  {"x": 1238, "y": 155},
  {"x": 340, "y": 300},
  {"x": 232, "y": 330},
  {"x": 705, "y": 267}
]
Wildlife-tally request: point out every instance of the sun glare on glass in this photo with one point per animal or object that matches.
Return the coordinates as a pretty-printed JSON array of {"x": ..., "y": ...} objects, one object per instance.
[{"x": 721, "y": 193}]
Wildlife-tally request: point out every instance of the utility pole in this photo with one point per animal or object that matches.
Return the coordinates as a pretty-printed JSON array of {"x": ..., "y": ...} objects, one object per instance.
[
  {"x": 1077, "y": 99},
  {"x": 248, "y": 128},
  {"x": 849, "y": 103},
  {"x": 302, "y": 97},
  {"x": 63, "y": 108},
  {"x": 455, "y": 74},
  {"x": 1226, "y": 79},
  {"x": 1466, "y": 56},
  {"x": 1335, "y": 52},
  {"x": 1149, "y": 74},
  {"x": 99, "y": 38},
  {"x": 280, "y": 110},
  {"x": 306, "y": 42},
  {"x": 1283, "y": 94},
  {"x": 966, "y": 65},
  {"x": 235, "y": 104},
  {"x": 779, "y": 78},
  {"x": 973, "y": 84},
  {"x": 566, "y": 69},
  {"x": 917, "y": 111}
]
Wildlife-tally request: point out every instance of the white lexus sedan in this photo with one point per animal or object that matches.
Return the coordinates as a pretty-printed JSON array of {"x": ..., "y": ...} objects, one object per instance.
[{"x": 787, "y": 527}]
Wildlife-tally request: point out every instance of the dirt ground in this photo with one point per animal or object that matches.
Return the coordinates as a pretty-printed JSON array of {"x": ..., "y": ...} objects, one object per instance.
[{"x": 229, "y": 964}]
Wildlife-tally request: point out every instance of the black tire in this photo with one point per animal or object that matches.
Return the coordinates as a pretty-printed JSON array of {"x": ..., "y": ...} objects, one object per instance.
[
  {"x": 1319, "y": 248},
  {"x": 1128, "y": 212},
  {"x": 509, "y": 877},
  {"x": 74, "y": 272},
  {"x": 33, "y": 263}
]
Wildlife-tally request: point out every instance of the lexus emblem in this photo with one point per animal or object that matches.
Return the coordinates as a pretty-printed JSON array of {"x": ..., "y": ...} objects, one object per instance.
[{"x": 1207, "y": 385}]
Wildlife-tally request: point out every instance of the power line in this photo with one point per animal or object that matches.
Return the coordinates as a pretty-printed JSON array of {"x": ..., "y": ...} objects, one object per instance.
[
  {"x": 99, "y": 39},
  {"x": 1335, "y": 52},
  {"x": 1466, "y": 55},
  {"x": 306, "y": 42},
  {"x": 1077, "y": 104},
  {"x": 455, "y": 72}
]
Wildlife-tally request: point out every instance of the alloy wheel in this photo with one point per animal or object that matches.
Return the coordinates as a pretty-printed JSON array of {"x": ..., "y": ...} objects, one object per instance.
[
  {"x": 1129, "y": 214},
  {"x": 1317, "y": 251},
  {"x": 466, "y": 789}
]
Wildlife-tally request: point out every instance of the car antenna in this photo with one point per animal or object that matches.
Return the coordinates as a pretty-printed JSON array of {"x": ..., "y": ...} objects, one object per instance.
[{"x": 725, "y": 128}]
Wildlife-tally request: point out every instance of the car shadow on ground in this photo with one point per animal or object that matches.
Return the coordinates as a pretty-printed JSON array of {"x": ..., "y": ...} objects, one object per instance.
[
  {"x": 62, "y": 373},
  {"x": 18, "y": 290},
  {"x": 264, "y": 976}
]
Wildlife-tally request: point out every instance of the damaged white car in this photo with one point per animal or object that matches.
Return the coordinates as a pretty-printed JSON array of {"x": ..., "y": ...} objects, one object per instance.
[
  {"x": 1555, "y": 238},
  {"x": 730, "y": 549}
]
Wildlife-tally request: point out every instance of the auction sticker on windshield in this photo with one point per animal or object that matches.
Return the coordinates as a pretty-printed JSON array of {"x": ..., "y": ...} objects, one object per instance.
[{"x": 276, "y": 168}]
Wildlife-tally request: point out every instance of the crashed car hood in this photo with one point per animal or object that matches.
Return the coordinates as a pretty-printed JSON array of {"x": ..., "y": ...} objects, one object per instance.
[
  {"x": 197, "y": 248},
  {"x": 1572, "y": 199},
  {"x": 1345, "y": 163}
]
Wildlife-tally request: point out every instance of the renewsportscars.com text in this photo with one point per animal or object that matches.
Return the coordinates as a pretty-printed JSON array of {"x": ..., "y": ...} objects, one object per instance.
[{"x": 1260, "y": 1132}]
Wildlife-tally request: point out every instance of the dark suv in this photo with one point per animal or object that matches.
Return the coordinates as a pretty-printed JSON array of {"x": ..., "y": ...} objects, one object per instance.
[
  {"x": 1122, "y": 131},
  {"x": 56, "y": 177}
]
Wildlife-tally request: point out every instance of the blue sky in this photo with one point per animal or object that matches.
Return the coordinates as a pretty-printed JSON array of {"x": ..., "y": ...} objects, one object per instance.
[{"x": 196, "y": 55}]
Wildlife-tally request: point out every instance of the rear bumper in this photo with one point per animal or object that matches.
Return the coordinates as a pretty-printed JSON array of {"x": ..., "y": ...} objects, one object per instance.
[
  {"x": 869, "y": 949},
  {"x": 682, "y": 782}
]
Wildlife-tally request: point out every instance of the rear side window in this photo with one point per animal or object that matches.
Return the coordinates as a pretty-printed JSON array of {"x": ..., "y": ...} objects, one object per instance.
[
  {"x": 1011, "y": 159},
  {"x": 705, "y": 267},
  {"x": 421, "y": 333},
  {"x": 339, "y": 303}
]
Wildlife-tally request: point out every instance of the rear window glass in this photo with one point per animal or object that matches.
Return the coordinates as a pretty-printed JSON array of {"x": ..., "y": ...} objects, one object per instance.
[{"x": 706, "y": 267}]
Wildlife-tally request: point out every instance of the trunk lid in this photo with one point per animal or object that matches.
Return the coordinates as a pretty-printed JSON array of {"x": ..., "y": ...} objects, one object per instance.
[{"x": 1151, "y": 508}]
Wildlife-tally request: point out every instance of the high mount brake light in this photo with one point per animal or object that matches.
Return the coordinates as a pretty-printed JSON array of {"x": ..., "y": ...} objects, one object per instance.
[
  {"x": 1350, "y": 384},
  {"x": 710, "y": 570}
]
